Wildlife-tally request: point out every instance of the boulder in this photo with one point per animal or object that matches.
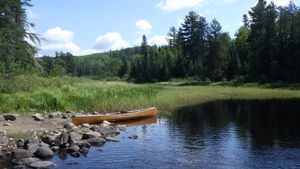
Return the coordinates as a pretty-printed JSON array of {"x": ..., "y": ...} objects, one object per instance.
[
  {"x": 44, "y": 152},
  {"x": 32, "y": 147},
  {"x": 25, "y": 161},
  {"x": 48, "y": 139},
  {"x": 21, "y": 153},
  {"x": 73, "y": 148},
  {"x": 96, "y": 141},
  {"x": 90, "y": 134},
  {"x": 83, "y": 143},
  {"x": 106, "y": 130},
  {"x": 73, "y": 137},
  {"x": 11, "y": 117},
  {"x": 55, "y": 115},
  {"x": 42, "y": 164},
  {"x": 62, "y": 139},
  {"x": 69, "y": 126}
]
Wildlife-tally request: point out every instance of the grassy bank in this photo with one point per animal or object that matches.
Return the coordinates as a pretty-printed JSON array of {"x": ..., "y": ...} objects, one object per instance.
[{"x": 81, "y": 94}]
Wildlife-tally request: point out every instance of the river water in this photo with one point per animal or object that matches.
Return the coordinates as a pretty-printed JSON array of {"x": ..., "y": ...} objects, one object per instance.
[{"x": 221, "y": 134}]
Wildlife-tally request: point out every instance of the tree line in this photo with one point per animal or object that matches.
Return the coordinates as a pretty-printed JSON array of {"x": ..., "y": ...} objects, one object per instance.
[{"x": 266, "y": 48}]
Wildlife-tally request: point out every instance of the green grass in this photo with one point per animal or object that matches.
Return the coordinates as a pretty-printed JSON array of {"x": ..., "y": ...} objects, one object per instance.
[{"x": 81, "y": 94}]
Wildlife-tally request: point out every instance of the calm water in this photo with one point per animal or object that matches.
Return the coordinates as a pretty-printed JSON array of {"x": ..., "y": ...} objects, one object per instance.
[{"x": 222, "y": 134}]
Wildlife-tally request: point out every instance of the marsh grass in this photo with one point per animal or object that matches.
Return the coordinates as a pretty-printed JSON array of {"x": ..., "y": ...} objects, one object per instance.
[{"x": 82, "y": 94}]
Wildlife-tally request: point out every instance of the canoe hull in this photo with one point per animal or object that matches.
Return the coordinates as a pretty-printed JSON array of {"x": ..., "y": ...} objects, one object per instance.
[{"x": 135, "y": 114}]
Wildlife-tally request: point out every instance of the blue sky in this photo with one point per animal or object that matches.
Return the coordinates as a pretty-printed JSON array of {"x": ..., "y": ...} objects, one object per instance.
[{"x": 90, "y": 26}]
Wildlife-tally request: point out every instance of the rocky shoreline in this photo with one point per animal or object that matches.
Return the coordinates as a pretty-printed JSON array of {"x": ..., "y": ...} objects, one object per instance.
[{"x": 37, "y": 150}]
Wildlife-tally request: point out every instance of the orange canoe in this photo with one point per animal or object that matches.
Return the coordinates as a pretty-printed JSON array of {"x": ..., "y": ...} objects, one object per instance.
[{"x": 115, "y": 117}]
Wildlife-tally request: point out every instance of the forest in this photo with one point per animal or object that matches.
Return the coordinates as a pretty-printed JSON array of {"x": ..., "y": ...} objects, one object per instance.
[{"x": 266, "y": 48}]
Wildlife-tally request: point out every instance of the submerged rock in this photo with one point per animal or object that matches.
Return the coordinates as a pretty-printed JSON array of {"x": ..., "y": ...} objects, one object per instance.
[
  {"x": 42, "y": 164},
  {"x": 96, "y": 141},
  {"x": 133, "y": 136},
  {"x": 25, "y": 161}
]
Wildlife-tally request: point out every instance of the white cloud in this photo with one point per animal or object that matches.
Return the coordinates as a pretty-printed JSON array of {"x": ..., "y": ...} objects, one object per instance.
[
  {"x": 58, "y": 34},
  {"x": 173, "y": 5},
  {"x": 58, "y": 39},
  {"x": 32, "y": 15},
  {"x": 158, "y": 40},
  {"x": 280, "y": 2},
  {"x": 143, "y": 26},
  {"x": 110, "y": 41}
]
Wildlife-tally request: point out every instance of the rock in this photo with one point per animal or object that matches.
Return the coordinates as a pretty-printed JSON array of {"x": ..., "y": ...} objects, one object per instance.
[
  {"x": 2, "y": 133},
  {"x": 62, "y": 139},
  {"x": 7, "y": 124},
  {"x": 38, "y": 117},
  {"x": 90, "y": 134},
  {"x": 1, "y": 153},
  {"x": 55, "y": 148},
  {"x": 106, "y": 130},
  {"x": 73, "y": 137},
  {"x": 86, "y": 125},
  {"x": 84, "y": 150},
  {"x": 21, "y": 153},
  {"x": 19, "y": 167},
  {"x": 32, "y": 140},
  {"x": 96, "y": 141},
  {"x": 74, "y": 148},
  {"x": 121, "y": 127},
  {"x": 55, "y": 115},
  {"x": 133, "y": 136},
  {"x": 11, "y": 117},
  {"x": 66, "y": 115},
  {"x": 48, "y": 139},
  {"x": 20, "y": 143},
  {"x": 113, "y": 139},
  {"x": 32, "y": 147},
  {"x": 106, "y": 123},
  {"x": 94, "y": 113},
  {"x": 83, "y": 143},
  {"x": 25, "y": 161},
  {"x": 4, "y": 140},
  {"x": 42, "y": 164},
  {"x": 69, "y": 126},
  {"x": 44, "y": 152}
]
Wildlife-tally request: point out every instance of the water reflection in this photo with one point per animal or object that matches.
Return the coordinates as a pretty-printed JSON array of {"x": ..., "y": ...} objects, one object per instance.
[{"x": 262, "y": 122}]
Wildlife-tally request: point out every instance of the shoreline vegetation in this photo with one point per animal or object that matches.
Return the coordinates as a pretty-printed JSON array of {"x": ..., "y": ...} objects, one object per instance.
[{"x": 28, "y": 94}]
